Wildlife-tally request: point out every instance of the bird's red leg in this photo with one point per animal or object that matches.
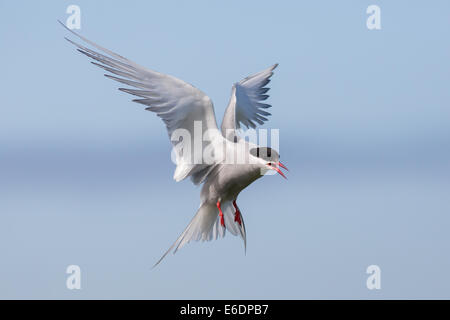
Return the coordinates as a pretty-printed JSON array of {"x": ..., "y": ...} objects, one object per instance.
[
  {"x": 237, "y": 213},
  {"x": 222, "y": 221}
]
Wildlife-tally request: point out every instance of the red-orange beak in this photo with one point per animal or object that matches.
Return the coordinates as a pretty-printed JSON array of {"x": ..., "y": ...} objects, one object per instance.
[
  {"x": 278, "y": 169},
  {"x": 282, "y": 165}
]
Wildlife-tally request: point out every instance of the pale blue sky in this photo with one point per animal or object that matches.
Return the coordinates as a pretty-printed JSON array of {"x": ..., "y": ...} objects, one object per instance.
[{"x": 364, "y": 119}]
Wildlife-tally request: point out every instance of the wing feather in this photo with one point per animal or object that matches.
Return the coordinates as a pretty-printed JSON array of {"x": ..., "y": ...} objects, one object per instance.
[
  {"x": 176, "y": 102},
  {"x": 245, "y": 106}
]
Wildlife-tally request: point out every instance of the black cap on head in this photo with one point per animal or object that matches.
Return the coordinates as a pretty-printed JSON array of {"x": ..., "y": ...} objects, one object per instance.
[{"x": 265, "y": 153}]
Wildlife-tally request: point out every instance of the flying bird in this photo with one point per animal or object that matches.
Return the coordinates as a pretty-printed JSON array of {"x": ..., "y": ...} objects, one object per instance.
[{"x": 187, "y": 112}]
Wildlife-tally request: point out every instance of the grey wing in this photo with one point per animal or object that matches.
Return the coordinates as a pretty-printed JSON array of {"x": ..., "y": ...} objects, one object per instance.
[
  {"x": 179, "y": 104},
  {"x": 246, "y": 106}
]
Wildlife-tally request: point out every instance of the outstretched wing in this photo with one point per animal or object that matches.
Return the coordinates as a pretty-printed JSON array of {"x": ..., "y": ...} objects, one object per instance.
[
  {"x": 245, "y": 106},
  {"x": 180, "y": 105}
]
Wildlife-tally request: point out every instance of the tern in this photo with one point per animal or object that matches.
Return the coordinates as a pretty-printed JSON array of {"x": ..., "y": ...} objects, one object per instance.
[{"x": 187, "y": 112}]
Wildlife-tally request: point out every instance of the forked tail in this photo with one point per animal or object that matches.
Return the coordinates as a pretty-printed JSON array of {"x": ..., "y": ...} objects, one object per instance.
[{"x": 205, "y": 226}]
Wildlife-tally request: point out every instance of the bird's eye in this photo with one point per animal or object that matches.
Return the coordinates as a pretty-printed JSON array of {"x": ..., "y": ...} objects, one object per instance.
[{"x": 269, "y": 163}]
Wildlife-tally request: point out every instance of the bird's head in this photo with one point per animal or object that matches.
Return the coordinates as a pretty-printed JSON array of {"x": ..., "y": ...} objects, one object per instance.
[{"x": 268, "y": 159}]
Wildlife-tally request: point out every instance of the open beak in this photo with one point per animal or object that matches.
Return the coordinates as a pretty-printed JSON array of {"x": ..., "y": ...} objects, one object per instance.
[
  {"x": 283, "y": 166},
  {"x": 277, "y": 169}
]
